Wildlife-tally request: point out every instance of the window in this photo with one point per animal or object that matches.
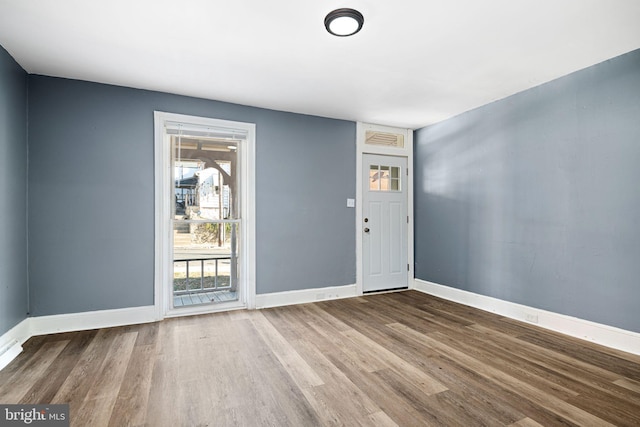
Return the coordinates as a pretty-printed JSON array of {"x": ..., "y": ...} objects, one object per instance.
[
  {"x": 384, "y": 139},
  {"x": 205, "y": 226}
]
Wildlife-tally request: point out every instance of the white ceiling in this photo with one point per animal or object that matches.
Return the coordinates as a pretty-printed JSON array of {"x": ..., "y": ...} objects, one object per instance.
[{"x": 414, "y": 63}]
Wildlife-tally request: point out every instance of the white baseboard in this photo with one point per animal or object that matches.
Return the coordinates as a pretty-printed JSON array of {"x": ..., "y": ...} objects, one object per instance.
[
  {"x": 609, "y": 336},
  {"x": 54, "y": 324},
  {"x": 303, "y": 296},
  {"x": 11, "y": 342}
]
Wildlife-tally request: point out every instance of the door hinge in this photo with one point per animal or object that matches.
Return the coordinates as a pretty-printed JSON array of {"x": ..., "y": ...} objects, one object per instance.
[
  {"x": 407, "y": 171},
  {"x": 408, "y": 269},
  {"x": 407, "y": 219}
]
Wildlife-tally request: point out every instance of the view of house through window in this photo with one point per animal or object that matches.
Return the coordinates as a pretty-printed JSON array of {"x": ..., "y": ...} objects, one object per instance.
[{"x": 206, "y": 220}]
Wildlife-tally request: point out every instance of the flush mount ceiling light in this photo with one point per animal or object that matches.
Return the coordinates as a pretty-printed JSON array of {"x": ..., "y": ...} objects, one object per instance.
[{"x": 344, "y": 22}]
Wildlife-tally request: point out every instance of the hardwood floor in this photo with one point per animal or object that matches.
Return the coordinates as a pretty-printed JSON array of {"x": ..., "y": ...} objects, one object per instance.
[{"x": 405, "y": 359}]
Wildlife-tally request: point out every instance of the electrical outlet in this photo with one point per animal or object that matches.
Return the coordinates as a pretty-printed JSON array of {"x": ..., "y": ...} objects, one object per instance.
[{"x": 529, "y": 317}]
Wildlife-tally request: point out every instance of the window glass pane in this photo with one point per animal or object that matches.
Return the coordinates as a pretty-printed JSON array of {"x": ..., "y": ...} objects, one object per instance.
[
  {"x": 395, "y": 172},
  {"x": 374, "y": 178},
  {"x": 205, "y": 266},
  {"x": 395, "y": 184},
  {"x": 205, "y": 177}
]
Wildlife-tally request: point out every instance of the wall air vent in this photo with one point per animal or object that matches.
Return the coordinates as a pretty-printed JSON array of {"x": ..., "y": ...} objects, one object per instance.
[{"x": 384, "y": 139}]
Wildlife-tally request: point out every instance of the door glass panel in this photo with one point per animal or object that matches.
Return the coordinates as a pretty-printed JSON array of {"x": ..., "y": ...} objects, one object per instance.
[
  {"x": 384, "y": 178},
  {"x": 374, "y": 178},
  {"x": 395, "y": 178}
]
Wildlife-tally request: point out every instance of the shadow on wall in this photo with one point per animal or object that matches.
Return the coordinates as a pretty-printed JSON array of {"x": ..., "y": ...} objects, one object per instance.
[
  {"x": 442, "y": 228},
  {"x": 532, "y": 199}
]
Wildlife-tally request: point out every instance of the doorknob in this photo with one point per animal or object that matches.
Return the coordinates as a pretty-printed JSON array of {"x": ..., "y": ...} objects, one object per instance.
[{"x": 366, "y": 230}]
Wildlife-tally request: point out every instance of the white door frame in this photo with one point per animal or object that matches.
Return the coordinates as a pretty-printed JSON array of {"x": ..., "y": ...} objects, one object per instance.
[
  {"x": 406, "y": 151},
  {"x": 162, "y": 174}
]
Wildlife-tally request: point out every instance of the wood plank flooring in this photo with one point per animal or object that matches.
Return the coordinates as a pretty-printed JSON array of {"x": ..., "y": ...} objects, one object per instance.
[{"x": 400, "y": 359}]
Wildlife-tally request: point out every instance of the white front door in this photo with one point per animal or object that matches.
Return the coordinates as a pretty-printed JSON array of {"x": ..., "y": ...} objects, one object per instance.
[{"x": 384, "y": 245}]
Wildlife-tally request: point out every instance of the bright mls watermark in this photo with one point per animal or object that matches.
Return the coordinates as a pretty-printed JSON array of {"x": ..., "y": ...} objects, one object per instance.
[{"x": 34, "y": 415}]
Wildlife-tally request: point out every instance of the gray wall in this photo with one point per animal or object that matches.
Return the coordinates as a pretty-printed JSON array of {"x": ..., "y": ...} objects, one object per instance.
[
  {"x": 535, "y": 199},
  {"x": 91, "y": 201},
  {"x": 13, "y": 193}
]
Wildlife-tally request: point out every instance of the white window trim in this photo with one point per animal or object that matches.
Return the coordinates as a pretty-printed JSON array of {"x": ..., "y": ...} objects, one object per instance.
[
  {"x": 162, "y": 176},
  {"x": 406, "y": 151}
]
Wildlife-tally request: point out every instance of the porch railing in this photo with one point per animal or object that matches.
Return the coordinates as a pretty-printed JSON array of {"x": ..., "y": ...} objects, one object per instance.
[{"x": 200, "y": 282}]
